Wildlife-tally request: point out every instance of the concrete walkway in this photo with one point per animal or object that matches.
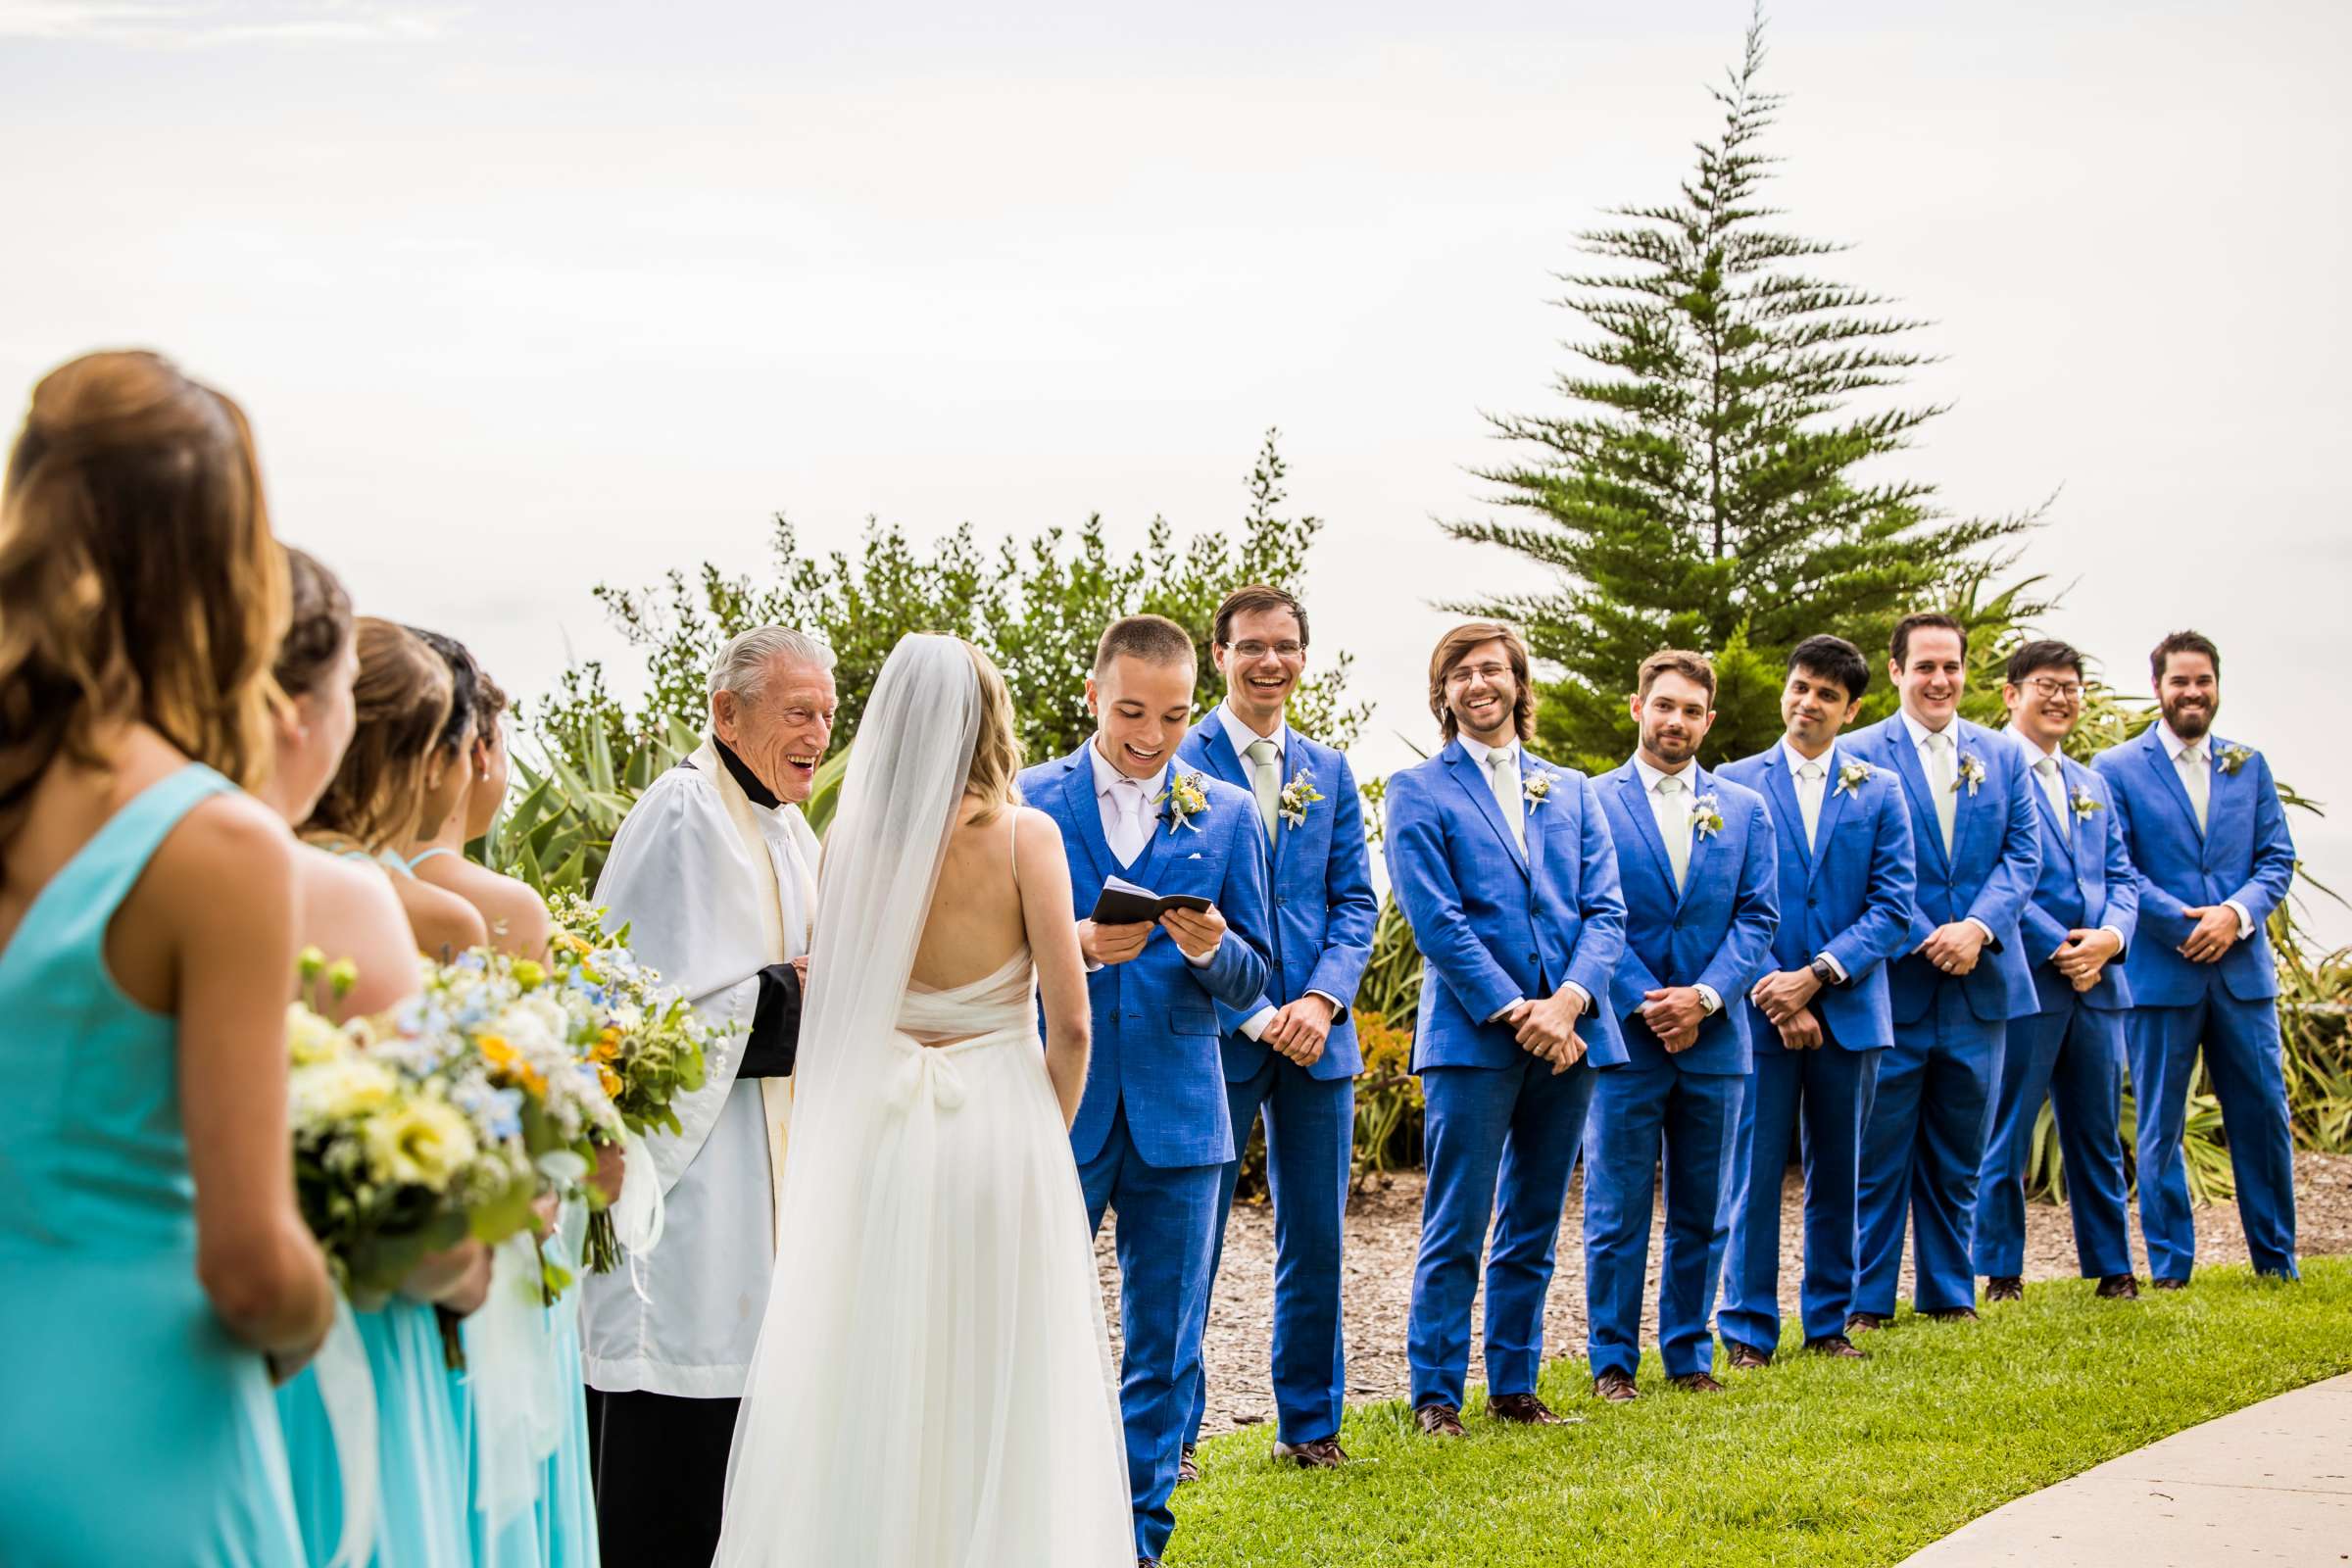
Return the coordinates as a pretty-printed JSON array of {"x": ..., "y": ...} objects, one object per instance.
[{"x": 2268, "y": 1485}]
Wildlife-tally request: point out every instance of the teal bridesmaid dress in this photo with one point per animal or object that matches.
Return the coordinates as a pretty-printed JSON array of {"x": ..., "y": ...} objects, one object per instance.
[
  {"x": 421, "y": 1480},
  {"x": 134, "y": 1428},
  {"x": 567, "y": 1498}
]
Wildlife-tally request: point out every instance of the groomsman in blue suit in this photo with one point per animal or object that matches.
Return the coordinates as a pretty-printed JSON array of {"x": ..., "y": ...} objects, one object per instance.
[
  {"x": 1291, "y": 1052},
  {"x": 1504, "y": 866},
  {"x": 1820, "y": 1022},
  {"x": 2076, "y": 927},
  {"x": 1152, "y": 1128},
  {"x": 2209, "y": 840},
  {"x": 1696, "y": 862},
  {"x": 1978, "y": 854}
]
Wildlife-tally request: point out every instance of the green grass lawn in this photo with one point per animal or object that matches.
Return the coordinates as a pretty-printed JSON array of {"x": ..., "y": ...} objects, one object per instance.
[{"x": 1810, "y": 1461}]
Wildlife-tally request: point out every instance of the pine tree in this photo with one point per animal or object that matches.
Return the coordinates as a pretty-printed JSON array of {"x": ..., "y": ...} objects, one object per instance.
[{"x": 1705, "y": 488}]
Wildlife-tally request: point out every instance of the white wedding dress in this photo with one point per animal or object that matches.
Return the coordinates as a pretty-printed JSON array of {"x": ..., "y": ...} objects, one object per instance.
[{"x": 932, "y": 1387}]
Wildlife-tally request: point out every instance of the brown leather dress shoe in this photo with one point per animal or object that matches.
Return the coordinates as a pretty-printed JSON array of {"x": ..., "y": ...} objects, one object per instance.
[
  {"x": 2119, "y": 1287},
  {"x": 2168, "y": 1285},
  {"x": 1950, "y": 1314},
  {"x": 1864, "y": 1322},
  {"x": 2007, "y": 1287},
  {"x": 1696, "y": 1383},
  {"x": 1837, "y": 1345},
  {"x": 1188, "y": 1468},
  {"x": 1440, "y": 1420},
  {"x": 1616, "y": 1387},
  {"x": 1324, "y": 1453},
  {"x": 1747, "y": 1358},
  {"x": 1523, "y": 1409}
]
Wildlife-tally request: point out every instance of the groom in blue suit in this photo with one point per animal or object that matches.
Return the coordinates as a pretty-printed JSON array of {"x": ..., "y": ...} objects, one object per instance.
[
  {"x": 1152, "y": 1128},
  {"x": 1979, "y": 853},
  {"x": 2208, "y": 838},
  {"x": 1291, "y": 1052},
  {"x": 1697, "y": 860},
  {"x": 2076, "y": 927},
  {"x": 1503, "y": 866},
  {"x": 1819, "y": 1023}
]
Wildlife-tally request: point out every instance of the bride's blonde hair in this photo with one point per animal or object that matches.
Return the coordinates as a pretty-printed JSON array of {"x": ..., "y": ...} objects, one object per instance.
[{"x": 995, "y": 768}]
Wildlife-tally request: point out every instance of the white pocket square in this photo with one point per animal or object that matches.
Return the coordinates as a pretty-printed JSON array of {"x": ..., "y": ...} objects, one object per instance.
[{"x": 1194, "y": 855}]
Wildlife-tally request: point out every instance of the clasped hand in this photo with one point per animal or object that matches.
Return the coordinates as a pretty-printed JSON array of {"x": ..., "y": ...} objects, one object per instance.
[
  {"x": 2083, "y": 956},
  {"x": 1299, "y": 1029},
  {"x": 1954, "y": 947},
  {"x": 2215, "y": 934},
  {"x": 1547, "y": 1029},
  {"x": 1782, "y": 995}
]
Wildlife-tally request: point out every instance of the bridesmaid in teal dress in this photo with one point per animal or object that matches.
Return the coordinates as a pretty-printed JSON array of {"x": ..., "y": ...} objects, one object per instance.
[
  {"x": 350, "y": 910},
  {"x": 156, "y": 1261}
]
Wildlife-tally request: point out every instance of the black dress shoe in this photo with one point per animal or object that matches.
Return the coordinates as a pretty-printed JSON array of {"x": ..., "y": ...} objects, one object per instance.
[
  {"x": 1616, "y": 1387},
  {"x": 1746, "y": 1358},
  {"x": 1696, "y": 1383},
  {"x": 1324, "y": 1453},
  {"x": 1864, "y": 1322},
  {"x": 2119, "y": 1287},
  {"x": 1951, "y": 1315},
  {"x": 1835, "y": 1346},
  {"x": 1146, "y": 1562},
  {"x": 2005, "y": 1288},
  {"x": 1523, "y": 1409},
  {"x": 2168, "y": 1285},
  {"x": 1438, "y": 1420},
  {"x": 1188, "y": 1468}
]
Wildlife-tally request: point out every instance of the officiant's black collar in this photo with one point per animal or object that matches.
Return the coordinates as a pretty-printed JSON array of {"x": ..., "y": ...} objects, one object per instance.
[{"x": 759, "y": 793}]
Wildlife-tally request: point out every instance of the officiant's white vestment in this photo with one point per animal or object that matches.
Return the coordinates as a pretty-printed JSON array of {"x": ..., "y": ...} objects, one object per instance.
[{"x": 713, "y": 889}]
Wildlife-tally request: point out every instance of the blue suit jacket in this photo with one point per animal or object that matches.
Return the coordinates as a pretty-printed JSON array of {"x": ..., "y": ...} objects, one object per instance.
[
  {"x": 1716, "y": 932},
  {"x": 1155, "y": 1034},
  {"x": 2244, "y": 855},
  {"x": 1996, "y": 856},
  {"x": 1324, "y": 906},
  {"x": 2086, "y": 882},
  {"x": 1494, "y": 924},
  {"x": 1850, "y": 896}
]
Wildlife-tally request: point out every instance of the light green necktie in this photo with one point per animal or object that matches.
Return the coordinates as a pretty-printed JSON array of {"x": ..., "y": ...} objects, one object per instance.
[
  {"x": 1675, "y": 829},
  {"x": 1266, "y": 777}
]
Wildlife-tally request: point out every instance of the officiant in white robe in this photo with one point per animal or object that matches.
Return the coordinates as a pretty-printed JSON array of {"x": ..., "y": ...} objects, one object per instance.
[{"x": 713, "y": 870}]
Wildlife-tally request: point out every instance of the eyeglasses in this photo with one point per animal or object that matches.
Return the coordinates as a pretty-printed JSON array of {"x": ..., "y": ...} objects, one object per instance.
[
  {"x": 1258, "y": 650},
  {"x": 2070, "y": 691}
]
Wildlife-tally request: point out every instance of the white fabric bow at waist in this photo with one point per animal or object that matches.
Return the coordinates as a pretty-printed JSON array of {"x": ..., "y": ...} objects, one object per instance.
[{"x": 931, "y": 1075}]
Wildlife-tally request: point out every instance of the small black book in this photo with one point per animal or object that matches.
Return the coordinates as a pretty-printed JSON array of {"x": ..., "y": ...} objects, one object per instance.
[{"x": 1125, "y": 903}]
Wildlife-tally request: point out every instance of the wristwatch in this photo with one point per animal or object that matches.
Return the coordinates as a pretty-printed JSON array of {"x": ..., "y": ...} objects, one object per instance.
[
  {"x": 1709, "y": 1004},
  {"x": 1825, "y": 972}
]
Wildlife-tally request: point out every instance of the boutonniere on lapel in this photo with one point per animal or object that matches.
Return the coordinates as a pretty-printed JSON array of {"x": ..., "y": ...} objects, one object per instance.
[
  {"x": 2230, "y": 759},
  {"x": 1297, "y": 796},
  {"x": 1970, "y": 774},
  {"x": 1186, "y": 800},
  {"x": 2084, "y": 803},
  {"x": 1707, "y": 816},
  {"x": 1851, "y": 776},
  {"x": 1537, "y": 788}
]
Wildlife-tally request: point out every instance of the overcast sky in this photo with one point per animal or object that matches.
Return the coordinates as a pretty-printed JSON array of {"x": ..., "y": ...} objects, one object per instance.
[{"x": 523, "y": 296}]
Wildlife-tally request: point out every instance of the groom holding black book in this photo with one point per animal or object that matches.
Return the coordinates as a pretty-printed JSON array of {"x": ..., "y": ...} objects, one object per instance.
[{"x": 1153, "y": 1129}]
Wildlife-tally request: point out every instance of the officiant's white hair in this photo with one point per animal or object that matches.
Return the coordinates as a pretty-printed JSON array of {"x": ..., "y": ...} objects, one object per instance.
[{"x": 743, "y": 666}]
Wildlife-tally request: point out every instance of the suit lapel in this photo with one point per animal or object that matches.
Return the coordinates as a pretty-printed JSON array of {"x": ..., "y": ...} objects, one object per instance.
[
  {"x": 2225, "y": 796},
  {"x": 1535, "y": 814},
  {"x": 1700, "y": 843},
  {"x": 1167, "y": 840},
  {"x": 2168, "y": 778},
  {"x": 1294, "y": 763},
  {"x": 1926, "y": 828},
  {"x": 1472, "y": 777},
  {"x": 1780, "y": 789},
  {"x": 1085, "y": 815},
  {"x": 1636, "y": 806},
  {"x": 1832, "y": 809},
  {"x": 2061, "y": 823}
]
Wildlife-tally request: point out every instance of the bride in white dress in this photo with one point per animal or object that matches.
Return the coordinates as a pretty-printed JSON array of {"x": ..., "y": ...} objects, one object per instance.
[{"x": 932, "y": 1383}]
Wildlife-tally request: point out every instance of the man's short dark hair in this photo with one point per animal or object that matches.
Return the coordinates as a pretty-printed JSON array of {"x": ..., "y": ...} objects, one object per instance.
[
  {"x": 1900, "y": 649},
  {"x": 2046, "y": 652},
  {"x": 1251, "y": 599},
  {"x": 1833, "y": 660},
  {"x": 2182, "y": 642},
  {"x": 1153, "y": 639}
]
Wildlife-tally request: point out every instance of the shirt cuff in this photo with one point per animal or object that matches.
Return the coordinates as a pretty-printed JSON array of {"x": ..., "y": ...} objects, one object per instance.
[
  {"x": 1499, "y": 1015},
  {"x": 1203, "y": 963},
  {"x": 1835, "y": 969},
  {"x": 2246, "y": 918},
  {"x": 2120, "y": 944},
  {"x": 1714, "y": 999}
]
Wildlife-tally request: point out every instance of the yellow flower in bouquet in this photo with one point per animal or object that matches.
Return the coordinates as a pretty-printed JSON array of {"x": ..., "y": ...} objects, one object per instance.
[{"x": 423, "y": 1143}]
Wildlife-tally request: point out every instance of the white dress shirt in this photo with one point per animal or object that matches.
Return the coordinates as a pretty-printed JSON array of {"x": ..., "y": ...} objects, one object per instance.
[
  {"x": 2051, "y": 776},
  {"x": 1671, "y": 809},
  {"x": 1941, "y": 764},
  {"x": 1812, "y": 794},
  {"x": 1501, "y": 763},
  {"x": 2193, "y": 761},
  {"x": 1239, "y": 732},
  {"x": 1129, "y": 821}
]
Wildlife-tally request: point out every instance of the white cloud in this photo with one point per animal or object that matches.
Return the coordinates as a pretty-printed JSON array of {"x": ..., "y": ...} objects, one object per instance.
[{"x": 164, "y": 24}]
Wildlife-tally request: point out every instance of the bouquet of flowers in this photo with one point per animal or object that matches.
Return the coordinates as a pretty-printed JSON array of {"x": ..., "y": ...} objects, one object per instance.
[{"x": 645, "y": 1041}]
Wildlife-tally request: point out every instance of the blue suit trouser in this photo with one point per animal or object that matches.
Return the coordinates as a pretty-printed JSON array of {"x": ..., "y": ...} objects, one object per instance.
[
  {"x": 1166, "y": 1234},
  {"x": 1310, "y": 1139},
  {"x": 2075, "y": 1057},
  {"x": 1644, "y": 1118},
  {"x": 1499, "y": 1144},
  {"x": 1921, "y": 1150},
  {"x": 2242, "y": 1057},
  {"x": 1816, "y": 1101}
]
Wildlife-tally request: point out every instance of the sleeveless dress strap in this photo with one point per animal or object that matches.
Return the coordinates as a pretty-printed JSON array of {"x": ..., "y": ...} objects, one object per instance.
[
  {"x": 438, "y": 848},
  {"x": 75, "y": 907}
]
